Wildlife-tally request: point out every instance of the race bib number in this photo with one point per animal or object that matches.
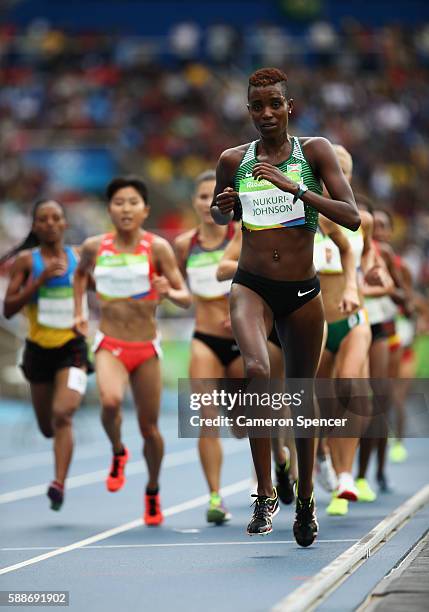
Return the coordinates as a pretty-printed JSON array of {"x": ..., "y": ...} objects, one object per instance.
[
  {"x": 265, "y": 205},
  {"x": 201, "y": 271},
  {"x": 122, "y": 275},
  {"x": 55, "y": 307}
]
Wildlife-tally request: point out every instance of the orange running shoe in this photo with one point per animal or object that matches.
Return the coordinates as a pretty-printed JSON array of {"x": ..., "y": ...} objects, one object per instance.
[
  {"x": 116, "y": 478},
  {"x": 152, "y": 512}
]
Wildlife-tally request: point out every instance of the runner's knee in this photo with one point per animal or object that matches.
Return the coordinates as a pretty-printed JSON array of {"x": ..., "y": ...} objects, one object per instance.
[
  {"x": 62, "y": 416},
  {"x": 111, "y": 403},
  {"x": 61, "y": 419},
  {"x": 256, "y": 368},
  {"x": 149, "y": 431}
]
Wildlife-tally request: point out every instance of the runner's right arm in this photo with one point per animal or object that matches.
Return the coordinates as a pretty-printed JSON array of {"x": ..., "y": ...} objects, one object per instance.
[
  {"x": 229, "y": 263},
  {"x": 377, "y": 281},
  {"x": 226, "y": 203},
  {"x": 181, "y": 247},
  {"x": 22, "y": 286}
]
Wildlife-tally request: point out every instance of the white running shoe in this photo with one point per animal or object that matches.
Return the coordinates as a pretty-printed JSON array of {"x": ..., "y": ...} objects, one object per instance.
[
  {"x": 346, "y": 487},
  {"x": 325, "y": 474}
]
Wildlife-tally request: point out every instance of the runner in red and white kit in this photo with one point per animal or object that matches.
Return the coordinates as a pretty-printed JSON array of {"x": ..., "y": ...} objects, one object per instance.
[{"x": 133, "y": 270}]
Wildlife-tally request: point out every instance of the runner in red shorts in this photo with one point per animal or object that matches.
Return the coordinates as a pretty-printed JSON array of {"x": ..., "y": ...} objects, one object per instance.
[{"x": 133, "y": 270}]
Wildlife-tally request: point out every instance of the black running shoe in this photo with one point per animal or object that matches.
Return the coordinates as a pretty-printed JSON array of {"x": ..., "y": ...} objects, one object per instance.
[
  {"x": 305, "y": 527},
  {"x": 266, "y": 508},
  {"x": 56, "y": 495},
  {"x": 383, "y": 484},
  {"x": 284, "y": 485}
]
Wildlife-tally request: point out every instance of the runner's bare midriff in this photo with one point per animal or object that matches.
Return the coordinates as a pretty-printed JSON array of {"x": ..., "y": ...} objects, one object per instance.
[
  {"x": 129, "y": 320},
  {"x": 210, "y": 317},
  {"x": 332, "y": 287},
  {"x": 294, "y": 259}
]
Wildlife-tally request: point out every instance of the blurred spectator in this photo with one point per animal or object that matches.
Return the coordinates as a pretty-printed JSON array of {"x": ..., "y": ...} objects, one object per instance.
[
  {"x": 185, "y": 40},
  {"x": 222, "y": 44}
]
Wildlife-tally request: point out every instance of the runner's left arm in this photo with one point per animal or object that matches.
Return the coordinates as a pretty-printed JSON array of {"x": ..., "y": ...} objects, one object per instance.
[
  {"x": 82, "y": 280},
  {"x": 91, "y": 282},
  {"x": 170, "y": 283},
  {"x": 399, "y": 295},
  {"x": 341, "y": 206},
  {"x": 350, "y": 298}
]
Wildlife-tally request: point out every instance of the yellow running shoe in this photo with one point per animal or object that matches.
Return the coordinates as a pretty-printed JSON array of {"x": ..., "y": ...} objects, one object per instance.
[
  {"x": 338, "y": 506},
  {"x": 216, "y": 512},
  {"x": 397, "y": 452},
  {"x": 365, "y": 493}
]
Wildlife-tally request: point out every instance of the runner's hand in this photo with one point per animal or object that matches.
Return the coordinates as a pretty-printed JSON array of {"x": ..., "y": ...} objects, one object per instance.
[
  {"x": 377, "y": 276},
  {"x": 387, "y": 282},
  {"x": 161, "y": 286},
  {"x": 349, "y": 302},
  {"x": 80, "y": 325},
  {"x": 264, "y": 170},
  {"x": 56, "y": 267},
  {"x": 226, "y": 200}
]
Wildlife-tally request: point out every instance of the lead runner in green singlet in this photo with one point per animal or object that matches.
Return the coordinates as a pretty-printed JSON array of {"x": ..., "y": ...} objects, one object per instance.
[{"x": 274, "y": 186}]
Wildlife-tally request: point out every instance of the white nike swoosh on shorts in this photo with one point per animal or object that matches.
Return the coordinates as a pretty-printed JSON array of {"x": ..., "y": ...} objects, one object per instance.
[{"x": 305, "y": 292}]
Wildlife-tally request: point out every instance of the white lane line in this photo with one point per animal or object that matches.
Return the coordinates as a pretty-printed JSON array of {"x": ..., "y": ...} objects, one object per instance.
[
  {"x": 313, "y": 590},
  {"x": 42, "y": 458},
  {"x": 27, "y": 462},
  {"x": 134, "y": 467},
  {"x": 236, "y": 487},
  {"x": 176, "y": 544},
  {"x": 19, "y": 463}
]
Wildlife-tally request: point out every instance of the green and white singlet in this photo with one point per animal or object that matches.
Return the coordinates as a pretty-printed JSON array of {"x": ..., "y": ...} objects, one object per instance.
[
  {"x": 265, "y": 206},
  {"x": 201, "y": 267}
]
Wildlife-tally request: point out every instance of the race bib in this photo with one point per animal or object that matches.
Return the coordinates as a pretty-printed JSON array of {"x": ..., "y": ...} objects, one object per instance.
[
  {"x": 265, "y": 205},
  {"x": 201, "y": 270},
  {"x": 122, "y": 275},
  {"x": 56, "y": 307}
]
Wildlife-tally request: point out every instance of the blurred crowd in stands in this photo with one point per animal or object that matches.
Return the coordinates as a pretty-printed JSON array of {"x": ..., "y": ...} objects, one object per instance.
[{"x": 165, "y": 108}]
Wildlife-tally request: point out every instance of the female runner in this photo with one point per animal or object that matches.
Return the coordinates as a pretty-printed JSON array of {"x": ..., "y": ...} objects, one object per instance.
[
  {"x": 55, "y": 358},
  {"x": 133, "y": 270},
  {"x": 349, "y": 334},
  {"x": 283, "y": 446},
  {"x": 214, "y": 352},
  {"x": 274, "y": 185}
]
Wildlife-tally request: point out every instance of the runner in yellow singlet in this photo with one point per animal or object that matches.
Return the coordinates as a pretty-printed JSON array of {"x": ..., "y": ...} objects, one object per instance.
[{"x": 55, "y": 359}]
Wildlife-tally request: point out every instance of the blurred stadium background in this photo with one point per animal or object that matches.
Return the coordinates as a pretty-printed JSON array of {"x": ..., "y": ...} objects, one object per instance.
[{"x": 90, "y": 89}]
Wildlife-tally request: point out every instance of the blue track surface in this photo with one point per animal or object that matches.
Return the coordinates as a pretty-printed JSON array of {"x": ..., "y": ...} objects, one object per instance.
[{"x": 185, "y": 565}]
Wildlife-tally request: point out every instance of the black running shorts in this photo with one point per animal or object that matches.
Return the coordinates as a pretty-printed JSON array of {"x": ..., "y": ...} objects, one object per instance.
[{"x": 41, "y": 364}]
